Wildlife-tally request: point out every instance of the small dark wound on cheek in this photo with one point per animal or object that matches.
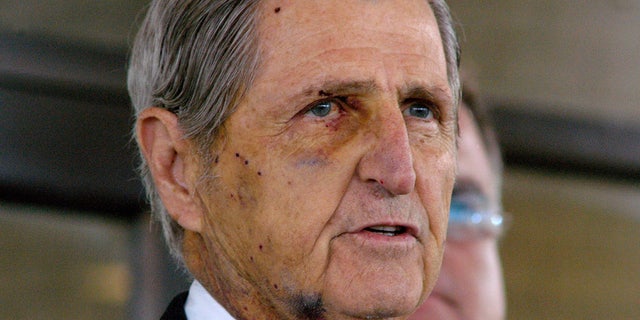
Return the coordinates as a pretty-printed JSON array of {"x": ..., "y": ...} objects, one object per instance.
[{"x": 276, "y": 10}]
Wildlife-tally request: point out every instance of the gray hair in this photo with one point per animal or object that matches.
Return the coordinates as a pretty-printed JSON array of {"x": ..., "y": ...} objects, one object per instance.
[{"x": 198, "y": 58}]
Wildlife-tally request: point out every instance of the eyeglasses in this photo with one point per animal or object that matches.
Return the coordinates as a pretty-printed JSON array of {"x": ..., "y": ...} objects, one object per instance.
[{"x": 471, "y": 218}]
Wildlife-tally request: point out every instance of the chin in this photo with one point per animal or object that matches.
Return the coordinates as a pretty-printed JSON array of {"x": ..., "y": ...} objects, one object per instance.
[{"x": 375, "y": 300}]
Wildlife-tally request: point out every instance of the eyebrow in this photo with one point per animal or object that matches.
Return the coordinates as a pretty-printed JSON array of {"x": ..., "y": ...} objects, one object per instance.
[
  {"x": 338, "y": 88},
  {"x": 432, "y": 93},
  {"x": 417, "y": 91},
  {"x": 355, "y": 87}
]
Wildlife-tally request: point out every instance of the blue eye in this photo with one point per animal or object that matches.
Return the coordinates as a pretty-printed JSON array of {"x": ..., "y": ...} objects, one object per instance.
[
  {"x": 321, "y": 109},
  {"x": 419, "y": 110}
]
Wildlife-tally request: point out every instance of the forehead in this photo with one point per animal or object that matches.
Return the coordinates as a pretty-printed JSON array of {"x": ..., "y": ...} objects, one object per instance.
[
  {"x": 320, "y": 38},
  {"x": 291, "y": 18}
]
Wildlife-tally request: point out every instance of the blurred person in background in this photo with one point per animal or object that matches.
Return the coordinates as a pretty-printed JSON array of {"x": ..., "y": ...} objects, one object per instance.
[{"x": 471, "y": 285}]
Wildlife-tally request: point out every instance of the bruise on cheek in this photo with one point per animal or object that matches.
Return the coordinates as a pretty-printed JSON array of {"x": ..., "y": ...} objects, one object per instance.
[
  {"x": 334, "y": 124},
  {"x": 316, "y": 159}
]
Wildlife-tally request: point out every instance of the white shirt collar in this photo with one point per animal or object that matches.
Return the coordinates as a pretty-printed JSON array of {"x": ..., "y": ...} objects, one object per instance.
[{"x": 200, "y": 305}]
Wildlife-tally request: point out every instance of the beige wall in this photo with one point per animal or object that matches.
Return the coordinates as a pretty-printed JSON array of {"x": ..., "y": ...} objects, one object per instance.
[{"x": 580, "y": 58}]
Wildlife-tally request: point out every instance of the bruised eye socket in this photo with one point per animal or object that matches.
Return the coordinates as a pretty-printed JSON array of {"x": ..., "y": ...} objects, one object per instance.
[
  {"x": 419, "y": 110},
  {"x": 321, "y": 109}
]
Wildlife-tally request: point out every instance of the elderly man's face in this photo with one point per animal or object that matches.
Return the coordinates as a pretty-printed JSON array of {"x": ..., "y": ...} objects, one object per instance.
[
  {"x": 333, "y": 177},
  {"x": 470, "y": 284}
]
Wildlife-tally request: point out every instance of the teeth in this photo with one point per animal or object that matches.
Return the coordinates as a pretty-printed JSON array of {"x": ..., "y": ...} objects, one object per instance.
[
  {"x": 387, "y": 230},
  {"x": 384, "y": 228}
]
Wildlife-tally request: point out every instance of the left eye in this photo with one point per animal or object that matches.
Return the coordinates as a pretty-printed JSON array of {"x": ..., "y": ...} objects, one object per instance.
[
  {"x": 321, "y": 109},
  {"x": 419, "y": 110}
]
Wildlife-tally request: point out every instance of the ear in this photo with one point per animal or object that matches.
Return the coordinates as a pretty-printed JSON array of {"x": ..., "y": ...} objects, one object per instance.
[{"x": 167, "y": 154}]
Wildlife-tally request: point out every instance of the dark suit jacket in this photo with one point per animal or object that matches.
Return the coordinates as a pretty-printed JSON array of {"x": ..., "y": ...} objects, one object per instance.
[{"x": 175, "y": 310}]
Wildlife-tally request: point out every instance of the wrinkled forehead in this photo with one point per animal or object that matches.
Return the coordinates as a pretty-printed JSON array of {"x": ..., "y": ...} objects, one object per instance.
[
  {"x": 389, "y": 42},
  {"x": 297, "y": 27}
]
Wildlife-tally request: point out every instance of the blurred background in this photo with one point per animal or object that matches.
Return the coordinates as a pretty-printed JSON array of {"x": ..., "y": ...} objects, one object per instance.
[{"x": 562, "y": 77}]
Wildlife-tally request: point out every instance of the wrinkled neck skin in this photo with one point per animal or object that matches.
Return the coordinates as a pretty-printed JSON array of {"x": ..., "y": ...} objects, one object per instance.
[
  {"x": 236, "y": 295},
  {"x": 240, "y": 298}
]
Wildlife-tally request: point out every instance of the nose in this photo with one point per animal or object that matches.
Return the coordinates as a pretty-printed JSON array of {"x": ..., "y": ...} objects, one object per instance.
[{"x": 388, "y": 161}]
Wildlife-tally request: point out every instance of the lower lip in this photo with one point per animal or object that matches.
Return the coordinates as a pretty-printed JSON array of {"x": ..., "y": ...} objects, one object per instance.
[{"x": 375, "y": 237}]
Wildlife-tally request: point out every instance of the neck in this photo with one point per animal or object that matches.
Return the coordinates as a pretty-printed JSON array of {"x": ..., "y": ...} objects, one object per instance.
[{"x": 221, "y": 279}]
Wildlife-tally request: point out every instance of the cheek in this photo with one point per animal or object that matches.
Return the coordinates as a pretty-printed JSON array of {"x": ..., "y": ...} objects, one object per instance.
[
  {"x": 435, "y": 179},
  {"x": 231, "y": 192},
  {"x": 268, "y": 199}
]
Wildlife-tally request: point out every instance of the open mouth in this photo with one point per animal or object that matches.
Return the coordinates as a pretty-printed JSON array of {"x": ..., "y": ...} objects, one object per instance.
[{"x": 389, "y": 231}]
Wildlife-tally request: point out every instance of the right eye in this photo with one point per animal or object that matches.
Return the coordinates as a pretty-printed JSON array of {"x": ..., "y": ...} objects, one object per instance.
[
  {"x": 321, "y": 109},
  {"x": 419, "y": 110}
]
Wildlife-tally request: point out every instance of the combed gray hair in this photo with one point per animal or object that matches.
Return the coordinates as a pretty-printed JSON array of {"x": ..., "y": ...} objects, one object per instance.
[{"x": 198, "y": 58}]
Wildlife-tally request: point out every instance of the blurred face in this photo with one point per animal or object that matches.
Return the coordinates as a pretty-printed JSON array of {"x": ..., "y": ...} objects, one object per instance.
[
  {"x": 333, "y": 177},
  {"x": 470, "y": 283}
]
